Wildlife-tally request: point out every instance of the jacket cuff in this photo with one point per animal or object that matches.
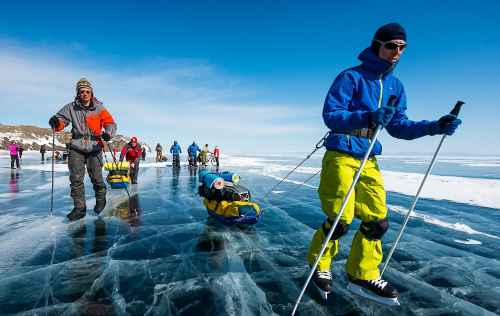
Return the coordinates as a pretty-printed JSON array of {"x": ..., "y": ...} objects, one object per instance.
[{"x": 433, "y": 128}]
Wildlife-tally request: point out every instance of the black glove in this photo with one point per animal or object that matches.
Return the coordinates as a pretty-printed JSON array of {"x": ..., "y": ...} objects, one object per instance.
[
  {"x": 106, "y": 137},
  {"x": 445, "y": 125},
  {"x": 381, "y": 116},
  {"x": 53, "y": 122}
]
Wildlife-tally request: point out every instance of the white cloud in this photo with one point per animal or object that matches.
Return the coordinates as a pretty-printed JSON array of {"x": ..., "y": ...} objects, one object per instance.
[{"x": 158, "y": 100}]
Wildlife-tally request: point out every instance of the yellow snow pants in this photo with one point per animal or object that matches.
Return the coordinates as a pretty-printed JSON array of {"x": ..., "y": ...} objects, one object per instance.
[{"x": 367, "y": 202}]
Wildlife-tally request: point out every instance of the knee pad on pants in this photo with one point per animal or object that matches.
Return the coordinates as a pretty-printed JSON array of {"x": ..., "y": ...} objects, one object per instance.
[
  {"x": 374, "y": 230},
  {"x": 341, "y": 229}
]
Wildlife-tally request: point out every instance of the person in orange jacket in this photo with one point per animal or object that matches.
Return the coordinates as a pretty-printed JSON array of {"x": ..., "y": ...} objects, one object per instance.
[{"x": 88, "y": 118}]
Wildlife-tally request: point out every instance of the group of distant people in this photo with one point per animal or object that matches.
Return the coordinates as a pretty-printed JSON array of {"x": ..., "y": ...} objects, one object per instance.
[
  {"x": 195, "y": 154},
  {"x": 133, "y": 153},
  {"x": 57, "y": 154},
  {"x": 16, "y": 153}
]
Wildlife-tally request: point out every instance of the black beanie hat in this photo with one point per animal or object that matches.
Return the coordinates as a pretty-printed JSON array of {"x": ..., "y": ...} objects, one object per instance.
[{"x": 388, "y": 32}]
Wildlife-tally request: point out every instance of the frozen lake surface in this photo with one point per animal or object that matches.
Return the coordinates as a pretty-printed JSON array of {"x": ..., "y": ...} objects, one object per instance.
[{"x": 170, "y": 259}]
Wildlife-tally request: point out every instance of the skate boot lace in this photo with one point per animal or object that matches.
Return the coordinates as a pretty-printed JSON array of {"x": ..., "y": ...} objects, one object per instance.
[
  {"x": 324, "y": 275},
  {"x": 380, "y": 283}
]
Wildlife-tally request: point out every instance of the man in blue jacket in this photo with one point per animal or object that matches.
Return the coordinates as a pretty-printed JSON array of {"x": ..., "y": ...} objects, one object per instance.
[
  {"x": 175, "y": 150},
  {"x": 355, "y": 105},
  {"x": 193, "y": 151}
]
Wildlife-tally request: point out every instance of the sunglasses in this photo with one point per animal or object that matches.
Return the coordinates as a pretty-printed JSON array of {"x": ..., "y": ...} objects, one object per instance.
[
  {"x": 84, "y": 92},
  {"x": 393, "y": 45}
]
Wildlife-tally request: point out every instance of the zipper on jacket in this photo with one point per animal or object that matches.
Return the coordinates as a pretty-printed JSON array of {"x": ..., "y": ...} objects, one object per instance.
[
  {"x": 379, "y": 98},
  {"x": 381, "y": 91}
]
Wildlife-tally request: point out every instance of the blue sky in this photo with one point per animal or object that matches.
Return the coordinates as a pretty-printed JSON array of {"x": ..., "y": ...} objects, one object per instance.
[{"x": 251, "y": 76}]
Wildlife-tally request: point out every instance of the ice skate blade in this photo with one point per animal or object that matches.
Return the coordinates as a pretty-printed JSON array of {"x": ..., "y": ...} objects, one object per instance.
[
  {"x": 323, "y": 294},
  {"x": 358, "y": 290}
]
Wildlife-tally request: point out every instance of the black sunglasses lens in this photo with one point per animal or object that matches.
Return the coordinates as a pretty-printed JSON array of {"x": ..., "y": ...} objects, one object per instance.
[{"x": 392, "y": 46}]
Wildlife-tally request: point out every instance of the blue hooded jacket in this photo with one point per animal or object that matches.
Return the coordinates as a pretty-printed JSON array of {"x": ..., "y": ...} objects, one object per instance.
[
  {"x": 193, "y": 149},
  {"x": 175, "y": 149},
  {"x": 358, "y": 91}
]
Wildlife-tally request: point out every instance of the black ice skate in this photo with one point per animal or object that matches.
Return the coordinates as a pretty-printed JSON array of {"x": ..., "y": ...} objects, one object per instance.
[
  {"x": 380, "y": 290},
  {"x": 322, "y": 281}
]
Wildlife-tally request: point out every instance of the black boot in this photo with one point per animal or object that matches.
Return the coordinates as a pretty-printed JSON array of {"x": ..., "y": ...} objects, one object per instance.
[
  {"x": 100, "y": 204},
  {"x": 323, "y": 282},
  {"x": 378, "y": 290},
  {"x": 76, "y": 214}
]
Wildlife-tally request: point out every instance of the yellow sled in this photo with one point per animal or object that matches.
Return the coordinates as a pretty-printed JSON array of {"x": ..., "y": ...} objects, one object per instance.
[
  {"x": 123, "y": 165},
  {"x": 237, "y": 212},
  {"x": 118, "y": 177}
]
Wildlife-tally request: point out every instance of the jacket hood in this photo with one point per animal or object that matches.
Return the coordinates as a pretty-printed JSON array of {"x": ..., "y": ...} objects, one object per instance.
[{"x": 375, "y": 64}]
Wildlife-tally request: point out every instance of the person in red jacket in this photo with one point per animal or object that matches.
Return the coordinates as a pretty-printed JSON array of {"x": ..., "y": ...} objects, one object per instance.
[{"x": 133, "y": 153}]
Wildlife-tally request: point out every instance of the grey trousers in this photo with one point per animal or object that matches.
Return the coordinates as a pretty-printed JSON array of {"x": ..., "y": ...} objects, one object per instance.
[
  {"x": 76, "y": 163},
  {"x": 134, "y": 172}
]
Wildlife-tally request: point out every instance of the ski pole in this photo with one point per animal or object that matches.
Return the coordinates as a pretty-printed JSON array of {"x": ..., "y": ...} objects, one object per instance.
[
  {"x": 319, "y": 144},
  {"x": 114, "y": 161},
  {"x": 455, "y": 111},
  {"x": 307, "y": 180},
  {"x": 52, "y": 183},
  {"x": 392, "y": 101}
]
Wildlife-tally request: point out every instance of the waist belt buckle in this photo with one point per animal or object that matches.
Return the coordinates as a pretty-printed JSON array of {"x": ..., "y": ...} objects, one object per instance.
[{"x": 369, "y": 133}]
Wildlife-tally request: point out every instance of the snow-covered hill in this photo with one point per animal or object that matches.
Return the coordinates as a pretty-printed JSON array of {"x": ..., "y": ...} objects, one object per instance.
[{"x": 31, "y": 137}]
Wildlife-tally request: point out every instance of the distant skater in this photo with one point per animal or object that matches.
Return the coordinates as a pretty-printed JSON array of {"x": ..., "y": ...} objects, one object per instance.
[
  {"x": 193, "y": 150},
  {"x": 43, "y": 150},
  {"x": 20, "y": 150},
  {"x": 175, "y": 150},
  {"x": 14, "y": 151},
  {"x": 217, "y": 155}
]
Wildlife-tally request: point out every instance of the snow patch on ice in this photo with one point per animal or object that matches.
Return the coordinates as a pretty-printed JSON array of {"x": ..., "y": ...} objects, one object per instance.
[
  {"x": 468, "y": 242},
  {"x": 475, "y": 191},
  {"x": 484, "y": 164},
  {"x": 482, "y": 192},
  {"x": 435, "y": 221},
  {"x": 157, "y": 164},
  {"x": 291, "y": 181}
]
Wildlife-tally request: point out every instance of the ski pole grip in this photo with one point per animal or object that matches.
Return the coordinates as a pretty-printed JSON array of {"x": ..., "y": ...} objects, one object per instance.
[{"x": 457, "y": 108}]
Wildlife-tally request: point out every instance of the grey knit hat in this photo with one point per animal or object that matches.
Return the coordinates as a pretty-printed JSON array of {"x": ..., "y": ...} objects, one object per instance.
[{"x": 83, "y": 83}]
